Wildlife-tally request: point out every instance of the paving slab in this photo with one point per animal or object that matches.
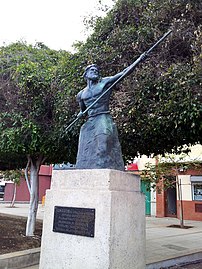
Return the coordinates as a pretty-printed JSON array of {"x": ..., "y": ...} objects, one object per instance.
[
  {"x": 165, "y": 246},
  {"x": 20, "y": 209}
]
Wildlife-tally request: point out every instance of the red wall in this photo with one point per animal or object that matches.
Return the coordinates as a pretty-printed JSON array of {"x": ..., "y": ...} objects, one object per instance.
[
  {"x": 189, "y": 208},
  {"x": 189, "y": 211},
  {"x": 22, "y": 193},
  {"x": 160, "y": 204}
]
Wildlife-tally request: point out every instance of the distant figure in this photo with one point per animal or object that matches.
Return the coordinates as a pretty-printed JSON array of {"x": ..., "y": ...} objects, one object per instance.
[{"x": 99, "y": 146}]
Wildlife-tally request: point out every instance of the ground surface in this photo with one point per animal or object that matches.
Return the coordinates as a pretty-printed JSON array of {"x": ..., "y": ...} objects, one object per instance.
[
  {"x": 12, "y": 234},
  {"x": 195, "y": 265}
]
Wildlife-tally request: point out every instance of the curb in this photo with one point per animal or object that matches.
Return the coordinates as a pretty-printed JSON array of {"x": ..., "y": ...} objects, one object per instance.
[
  {"x": 25, "y": 258},
  {"x": 20, "y": 259},
  {"x": 186, "y": 259}
]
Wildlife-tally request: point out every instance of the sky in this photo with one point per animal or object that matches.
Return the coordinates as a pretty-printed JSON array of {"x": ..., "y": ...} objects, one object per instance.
[{"x": 56, "y": 23}]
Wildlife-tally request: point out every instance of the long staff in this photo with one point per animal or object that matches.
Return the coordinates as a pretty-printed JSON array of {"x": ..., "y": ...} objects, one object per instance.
[{"x": 142, "y": 57}]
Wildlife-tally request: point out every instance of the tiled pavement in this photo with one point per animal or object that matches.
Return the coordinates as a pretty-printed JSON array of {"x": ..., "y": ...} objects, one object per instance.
[{"x": 162, "y": 242}]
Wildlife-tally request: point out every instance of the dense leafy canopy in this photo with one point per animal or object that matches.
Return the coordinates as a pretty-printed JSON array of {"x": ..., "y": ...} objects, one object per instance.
[
  {"x": 157, "y": 108},
  {"x": 35, "y": 103}
]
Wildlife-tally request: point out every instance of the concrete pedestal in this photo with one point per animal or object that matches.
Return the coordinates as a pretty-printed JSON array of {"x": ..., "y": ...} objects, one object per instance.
[{"x": 119, "y": 235}]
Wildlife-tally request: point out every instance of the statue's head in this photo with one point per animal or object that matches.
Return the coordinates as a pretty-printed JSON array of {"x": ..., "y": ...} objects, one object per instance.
[{"x": 92, "y": 71}]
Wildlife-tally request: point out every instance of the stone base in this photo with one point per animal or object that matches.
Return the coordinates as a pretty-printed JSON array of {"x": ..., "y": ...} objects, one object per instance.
[{"x": 119, "y": 237}]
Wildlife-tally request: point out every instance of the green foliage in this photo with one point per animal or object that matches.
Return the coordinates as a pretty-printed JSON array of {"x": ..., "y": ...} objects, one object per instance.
[
  {"x": 13, "y": 175},
  {"x": 160, "y": 105},
  {"x": 36, "y": 102},
  {"x": 160, "y": 176},
  {"x": 157, "y": 108},
  {"x": 164, "y": 174}
]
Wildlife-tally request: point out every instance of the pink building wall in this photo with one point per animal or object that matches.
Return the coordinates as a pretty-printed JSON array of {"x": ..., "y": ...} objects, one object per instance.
[{"x": 22, "y": 193}]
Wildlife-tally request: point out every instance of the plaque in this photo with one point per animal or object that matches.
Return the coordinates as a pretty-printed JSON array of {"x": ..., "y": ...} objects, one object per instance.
[{"x": 74, "y": 220}]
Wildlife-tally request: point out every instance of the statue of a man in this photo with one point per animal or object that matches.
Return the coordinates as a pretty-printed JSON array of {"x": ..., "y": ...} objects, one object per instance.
[{"x": 99, "y": 146}]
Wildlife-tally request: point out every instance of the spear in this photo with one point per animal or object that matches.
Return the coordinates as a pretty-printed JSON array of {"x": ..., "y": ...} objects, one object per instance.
[{"x": 141, "y": 58}]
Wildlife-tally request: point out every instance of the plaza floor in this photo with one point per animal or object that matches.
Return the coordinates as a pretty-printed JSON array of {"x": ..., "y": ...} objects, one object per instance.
[{"x": 163, "y": 243}]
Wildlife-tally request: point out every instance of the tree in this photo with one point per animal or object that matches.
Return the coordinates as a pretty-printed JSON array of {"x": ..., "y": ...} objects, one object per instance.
[
  {"x": 13, "y": 175},
  {"x": 160, "y": 106},
  {"x": 33, "y": 94},
  {"x": 165, "y": 174}
]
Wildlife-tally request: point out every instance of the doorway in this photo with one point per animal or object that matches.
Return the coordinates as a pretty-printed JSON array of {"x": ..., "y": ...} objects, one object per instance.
[
  {"x": 171, "y": 202},
  {"x": 145, "y": 188}
]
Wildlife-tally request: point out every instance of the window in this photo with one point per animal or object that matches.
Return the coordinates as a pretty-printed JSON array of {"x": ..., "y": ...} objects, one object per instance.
[
  {"x": 197, "y": 191},
  {"x": 2, "y": 188},
  {"x": 2, "y": 191},
  {"x": 196, "y": 183}
]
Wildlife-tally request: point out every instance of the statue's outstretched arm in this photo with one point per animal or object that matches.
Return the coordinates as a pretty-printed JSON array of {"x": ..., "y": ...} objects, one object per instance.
[
  {"x": 118, "y": 77},
  {"x": 127, "y": 71}
]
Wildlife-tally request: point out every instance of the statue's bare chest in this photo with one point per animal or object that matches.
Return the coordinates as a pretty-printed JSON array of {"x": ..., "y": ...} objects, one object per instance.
[{"x": 90, "y": 94}]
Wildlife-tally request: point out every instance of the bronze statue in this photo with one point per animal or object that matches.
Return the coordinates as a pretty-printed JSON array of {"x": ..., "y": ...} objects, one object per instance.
[{"x": 99, "y": 146}]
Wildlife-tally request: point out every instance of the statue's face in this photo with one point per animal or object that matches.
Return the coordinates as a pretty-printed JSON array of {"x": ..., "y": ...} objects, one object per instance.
[{"x": 92, "y": 73}]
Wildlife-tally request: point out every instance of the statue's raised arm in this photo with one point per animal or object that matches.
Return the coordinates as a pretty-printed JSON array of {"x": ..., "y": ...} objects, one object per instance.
[
  {"x": 109, "y": 82},
  {"x": 99, "y": 145}
]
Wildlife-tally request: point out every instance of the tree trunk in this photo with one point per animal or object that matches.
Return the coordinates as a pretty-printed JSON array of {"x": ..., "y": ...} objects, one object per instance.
[
  {"x": 179, "y": 187},
  {"x": 34, "y": 194},
  {"x": 14, "y": 195}
]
